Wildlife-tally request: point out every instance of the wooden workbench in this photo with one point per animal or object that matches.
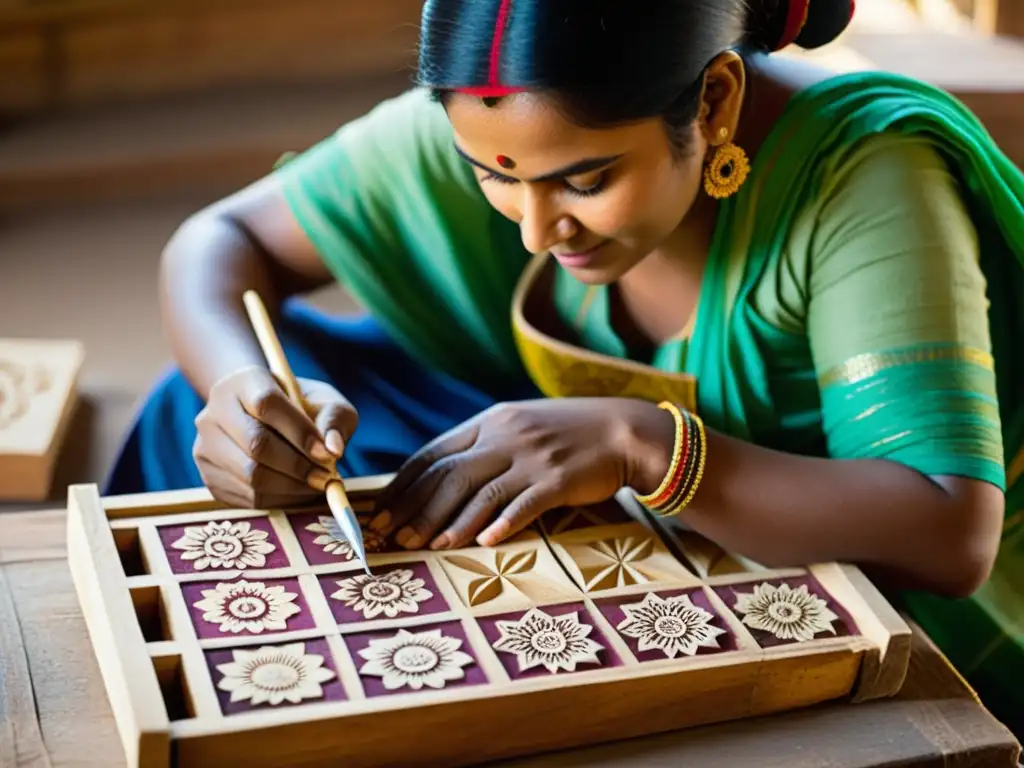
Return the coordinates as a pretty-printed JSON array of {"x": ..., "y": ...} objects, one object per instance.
[{"x": 54, "y": 712}]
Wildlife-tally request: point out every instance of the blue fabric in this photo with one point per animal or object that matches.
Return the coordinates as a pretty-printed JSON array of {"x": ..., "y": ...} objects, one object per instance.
[{"x": 402, "y": 403}]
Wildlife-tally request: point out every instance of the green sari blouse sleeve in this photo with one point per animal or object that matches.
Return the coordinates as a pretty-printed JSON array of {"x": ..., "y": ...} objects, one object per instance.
[
  {"x": 897, "y": 315},
  {"x": 399, "y": 219}
]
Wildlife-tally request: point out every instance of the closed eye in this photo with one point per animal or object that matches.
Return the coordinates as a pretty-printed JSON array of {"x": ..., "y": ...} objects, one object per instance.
[{"x": 596, "y": 188}]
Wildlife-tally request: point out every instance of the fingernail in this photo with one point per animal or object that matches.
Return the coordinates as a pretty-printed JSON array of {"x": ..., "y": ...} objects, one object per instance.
[
  {"x": 335, "y": 443},
  {"x": 408, "y": 538},
  {"x": 381, "y": 521},
  {"x": 320, "y": 453},
  {"x": 441, "y": 542},
  {"x": 494, "y": 534},
  {"x": 318, "y": 478}
]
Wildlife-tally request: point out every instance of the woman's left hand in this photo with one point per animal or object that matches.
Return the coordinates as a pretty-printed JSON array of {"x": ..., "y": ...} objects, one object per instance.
[{"x": 519, "y": 460}]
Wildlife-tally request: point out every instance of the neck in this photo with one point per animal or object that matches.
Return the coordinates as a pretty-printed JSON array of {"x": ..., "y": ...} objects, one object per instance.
[
  {"x": 680, "y": 258},
  {"x": 659, "y": 294}
]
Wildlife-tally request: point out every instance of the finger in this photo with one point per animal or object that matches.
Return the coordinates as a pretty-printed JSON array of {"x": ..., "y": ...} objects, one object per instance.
[
  {"x": 258, "y": 443},
  {"x": 454, "y": 441},
  {"x": 269, "y": 472},
  {"x": 441, "y": 491},
  {"x": 266, "y": 402},
  {"x": 337, "y": 421},
  {"x": 485, "y": 504},
  {"x": 524, "y": 509},
  {"x": 225, "y": 487}
]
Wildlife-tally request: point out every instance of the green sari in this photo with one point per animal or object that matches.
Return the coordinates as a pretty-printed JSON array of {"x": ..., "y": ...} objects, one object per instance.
[{"x": 861, "y": 300}]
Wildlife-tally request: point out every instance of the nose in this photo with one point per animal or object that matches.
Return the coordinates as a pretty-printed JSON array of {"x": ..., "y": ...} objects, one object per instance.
[{"x": 543, "y": 224}]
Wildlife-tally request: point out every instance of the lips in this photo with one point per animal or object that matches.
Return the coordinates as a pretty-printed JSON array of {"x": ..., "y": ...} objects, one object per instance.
[{"x": 578, "y": 258}]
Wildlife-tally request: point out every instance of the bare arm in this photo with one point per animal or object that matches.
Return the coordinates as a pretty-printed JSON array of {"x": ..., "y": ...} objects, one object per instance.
[
  {"x": 938, "y": 534},
  {"x": 247, "y": 241}
]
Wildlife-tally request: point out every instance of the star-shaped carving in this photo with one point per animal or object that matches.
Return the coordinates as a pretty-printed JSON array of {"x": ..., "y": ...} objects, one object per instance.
[{"x": 486, "y": 581}]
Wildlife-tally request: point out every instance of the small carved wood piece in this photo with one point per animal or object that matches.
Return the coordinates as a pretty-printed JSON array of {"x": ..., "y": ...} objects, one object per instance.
[{"x": 38, "y": 395}]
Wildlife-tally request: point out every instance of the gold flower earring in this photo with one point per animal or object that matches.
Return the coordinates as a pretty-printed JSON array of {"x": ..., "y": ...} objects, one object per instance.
[{"x": 726, "y": 170}]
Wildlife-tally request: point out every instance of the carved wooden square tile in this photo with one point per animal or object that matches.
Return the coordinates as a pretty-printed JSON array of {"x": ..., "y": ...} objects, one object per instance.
[
  {"x": 248, "y": 543},
  {"x": 274, "y": 675},
  {"x": 395, "y": 591},
  {"x": 565, "y": 519},
  {"x": 782, "y": 611},
  {"x": 428, "y": 657},
  {"x": 323, "y": 543},
  {"x": 705, "y": 557},
  {"x": 246, "y": 607},
  {"x": 626, "y": 555},
  {"x": 510, "y": 576},
  {"x": 553, "y": 639},
  {"x": 668, "y": 624}
]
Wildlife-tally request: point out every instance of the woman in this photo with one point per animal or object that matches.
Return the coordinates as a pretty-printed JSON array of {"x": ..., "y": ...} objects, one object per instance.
[{"x": 822, "y": 274}]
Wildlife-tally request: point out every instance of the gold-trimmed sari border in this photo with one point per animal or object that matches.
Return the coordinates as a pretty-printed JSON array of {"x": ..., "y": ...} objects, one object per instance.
[
  {"x": 560, "y": 369},
  {"x": 870, "y": 364}
]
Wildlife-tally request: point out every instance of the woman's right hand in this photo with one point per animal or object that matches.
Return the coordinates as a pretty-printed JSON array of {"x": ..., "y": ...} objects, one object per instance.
[{"x": 255, "y": 449}]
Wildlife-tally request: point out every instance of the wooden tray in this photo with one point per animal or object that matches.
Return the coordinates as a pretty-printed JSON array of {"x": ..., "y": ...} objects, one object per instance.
[
  {"x": 570, "y": 634},
  {"x": 38, "y": 395}
]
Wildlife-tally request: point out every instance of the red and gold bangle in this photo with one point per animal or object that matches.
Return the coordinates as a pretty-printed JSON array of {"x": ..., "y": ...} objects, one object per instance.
[
  {"x": 679, "y": 450},
  {"x": 686, "y": 468},
  {"x": 695, "y": 472}
]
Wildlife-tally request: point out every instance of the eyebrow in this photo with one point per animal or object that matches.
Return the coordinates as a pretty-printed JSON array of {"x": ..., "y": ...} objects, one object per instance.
[{"x": 583, "y": 166}]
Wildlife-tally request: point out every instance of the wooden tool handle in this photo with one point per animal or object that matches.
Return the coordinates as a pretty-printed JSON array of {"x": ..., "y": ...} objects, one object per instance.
[
  {"x": 271, "y": 346},
  {"x": 278, "y": 362}
]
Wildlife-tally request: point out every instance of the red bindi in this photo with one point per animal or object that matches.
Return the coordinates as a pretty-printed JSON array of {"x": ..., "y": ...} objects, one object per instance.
[{"x": 506, "y": 162}]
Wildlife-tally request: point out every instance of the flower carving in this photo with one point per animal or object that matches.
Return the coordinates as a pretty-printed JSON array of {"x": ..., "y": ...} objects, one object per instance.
[
  {"x": 553, "y": 642},
  {"x": 247, "y": 606},
  {"x": 334, "y": 542},
  {"x": 787, "y": 613},
  {"x": 274, "y": 674},
  {"x": 673, "y": 625},
  {"x": 391, "y": 593},
  {"x": 224, "y": 545},
  {"x": 415, "y": 660}
]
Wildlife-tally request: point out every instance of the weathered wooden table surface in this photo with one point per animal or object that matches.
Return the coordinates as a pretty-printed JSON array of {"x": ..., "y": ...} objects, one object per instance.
[{"x": 54, "y": 712}]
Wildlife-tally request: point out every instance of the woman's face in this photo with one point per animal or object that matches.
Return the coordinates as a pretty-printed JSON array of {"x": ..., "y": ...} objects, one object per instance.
[{"x": 600, "y": 201}]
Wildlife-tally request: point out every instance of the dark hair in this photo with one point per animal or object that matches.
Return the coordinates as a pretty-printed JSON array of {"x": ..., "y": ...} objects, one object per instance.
[{"x": 609, "y": 61}]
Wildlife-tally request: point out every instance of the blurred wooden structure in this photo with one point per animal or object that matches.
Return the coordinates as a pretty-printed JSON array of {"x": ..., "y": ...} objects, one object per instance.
[
  {"x": 129, "y": 99},
  {"x": 990, "y": 17},
  {"x": 56, "y": 54}
]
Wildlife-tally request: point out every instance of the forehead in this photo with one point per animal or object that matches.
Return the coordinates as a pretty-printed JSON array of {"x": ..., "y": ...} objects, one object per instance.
[{"x": 531, "y": 130}]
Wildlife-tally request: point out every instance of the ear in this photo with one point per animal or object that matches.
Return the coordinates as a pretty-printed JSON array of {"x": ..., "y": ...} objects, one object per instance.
[{"x": 725, "y": 85}]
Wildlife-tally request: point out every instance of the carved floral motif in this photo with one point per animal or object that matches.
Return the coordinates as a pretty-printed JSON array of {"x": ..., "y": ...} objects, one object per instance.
[
  {"x": 224, "y": 545},
  {"x": 673, "y": 625},
  {"x": 274, "y": 675},
  {"x": 785, "y": 612},
  {"x": 244, "y": 606},
  {"x": 553, "y": 642},
  {"x": 415, "y": 660}
]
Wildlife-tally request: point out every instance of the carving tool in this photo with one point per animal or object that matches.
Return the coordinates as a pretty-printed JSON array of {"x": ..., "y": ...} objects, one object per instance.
[{"x": 337, "y": 499}]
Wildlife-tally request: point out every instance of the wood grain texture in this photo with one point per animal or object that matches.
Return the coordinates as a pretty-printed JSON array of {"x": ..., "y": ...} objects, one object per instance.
[
  {"x": 21, "y": 742},
  {"x": 934, "y": 721}
]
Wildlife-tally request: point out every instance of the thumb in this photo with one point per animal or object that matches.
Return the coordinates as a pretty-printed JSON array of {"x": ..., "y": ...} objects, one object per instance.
[{"x": 337, "y": 421}]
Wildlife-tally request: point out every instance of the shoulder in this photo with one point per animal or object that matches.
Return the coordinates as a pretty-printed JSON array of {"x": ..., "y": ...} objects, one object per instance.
[{"x": 894, "y": 192}]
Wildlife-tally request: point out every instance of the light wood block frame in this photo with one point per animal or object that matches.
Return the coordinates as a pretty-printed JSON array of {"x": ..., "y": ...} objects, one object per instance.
[{"x": 167, "y": 711}]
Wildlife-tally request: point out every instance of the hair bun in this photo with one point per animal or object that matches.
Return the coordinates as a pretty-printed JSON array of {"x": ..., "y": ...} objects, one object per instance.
[
  {"x": 806, "y": 23},
  {"x": 826, "y": 20}
]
